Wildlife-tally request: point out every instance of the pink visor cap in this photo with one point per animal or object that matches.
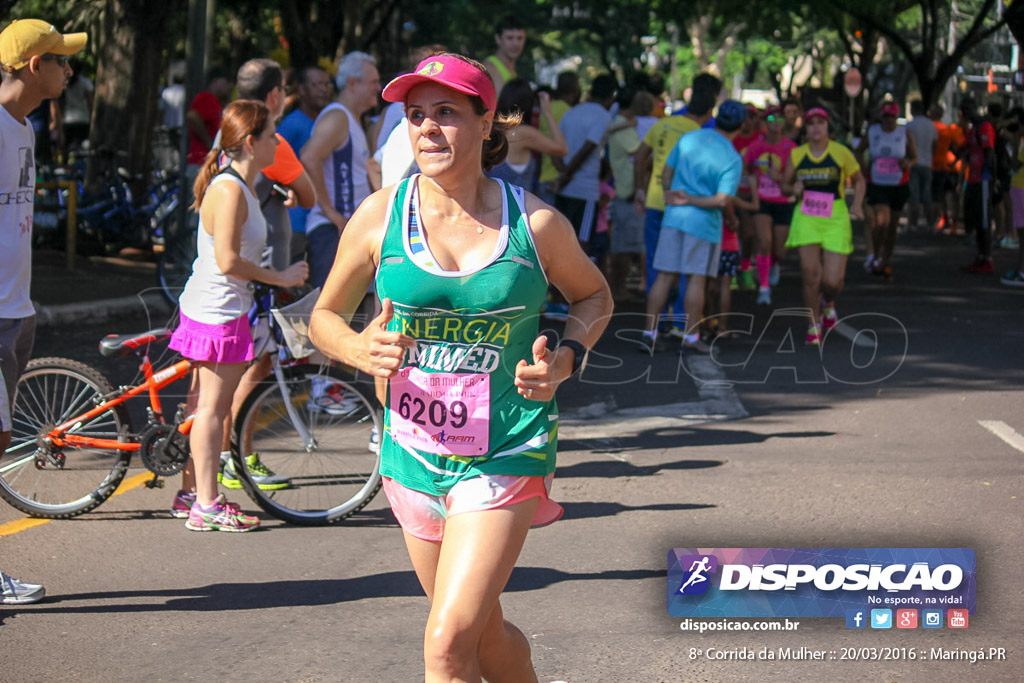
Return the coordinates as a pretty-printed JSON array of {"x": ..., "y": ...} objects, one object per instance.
[
  {"x": 448, "y": 71},
  {"x": 815, "y": 112}
]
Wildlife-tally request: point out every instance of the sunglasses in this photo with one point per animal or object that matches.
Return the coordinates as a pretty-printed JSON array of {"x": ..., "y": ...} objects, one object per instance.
[{"x": 62, "y": 60}]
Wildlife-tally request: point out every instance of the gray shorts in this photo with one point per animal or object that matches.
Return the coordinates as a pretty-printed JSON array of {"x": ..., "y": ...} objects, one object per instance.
[
  {"x": 627, "y": 228},
  {"x": 681, "y": 252},
  {"x": 16, "y": 338}
]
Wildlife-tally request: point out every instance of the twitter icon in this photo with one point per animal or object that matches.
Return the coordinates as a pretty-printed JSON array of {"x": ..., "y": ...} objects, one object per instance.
[{"x": 881, "y": 618}]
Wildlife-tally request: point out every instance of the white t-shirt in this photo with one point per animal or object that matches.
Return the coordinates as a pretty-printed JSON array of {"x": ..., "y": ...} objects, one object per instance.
[
  {"x": 17, "y": 191},
  {"x": 586, "y": 121},
  {"x": 396, "y": 157},
  {"x": 925, "y": 134},
  {"x": 210, "y": 296},
  {"x": 172, "y": 102},
  {"x": 392, "y": 116},
  {"x": 344, "y": 171}
]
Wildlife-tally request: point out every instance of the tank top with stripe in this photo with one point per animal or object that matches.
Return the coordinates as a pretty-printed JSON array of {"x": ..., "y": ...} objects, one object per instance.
[{"x": 479, "y": 321}]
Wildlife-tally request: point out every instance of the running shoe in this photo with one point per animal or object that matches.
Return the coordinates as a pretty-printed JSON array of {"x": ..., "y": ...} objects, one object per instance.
[
  {"x": 327, "y": 397},
  {"x": 813, "y": 335},
  {"x": 265, "y": 479},
  {"x": 1008, "y": 243},
  {"x": 775, "y": 274},
  {"x": 980, "y": 266},
  {"x": 677, "y": 332},
  {"x": 764, "y": 297},
  {"x": 14, "y": 592},
  {"x": 182, "y": 504},
  {"x": 869, "y": 264},
  {"x": 829, "y": 317},
  {"x": 1013, "y": 278},
  {"x": 746, "y": 278},
  {"x": 556, "y": 312},
  {"x": 222, "y": 516},
  {"x": 374, "y": 440}
]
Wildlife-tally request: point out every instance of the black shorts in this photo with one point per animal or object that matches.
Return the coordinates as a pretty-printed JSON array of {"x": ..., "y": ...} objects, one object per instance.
[
  {"x": 582, "y": 213},
  {"x": 893, "y": 196},
  {"x": 781, "y": 214}
]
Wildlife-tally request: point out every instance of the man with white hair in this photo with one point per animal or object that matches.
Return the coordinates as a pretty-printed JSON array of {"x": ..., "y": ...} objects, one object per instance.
[{"x": 335, "y": 158}]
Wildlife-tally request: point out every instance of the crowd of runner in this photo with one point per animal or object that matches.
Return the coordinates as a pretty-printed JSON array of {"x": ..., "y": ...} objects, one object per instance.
[{"x": 556, "y": 201}]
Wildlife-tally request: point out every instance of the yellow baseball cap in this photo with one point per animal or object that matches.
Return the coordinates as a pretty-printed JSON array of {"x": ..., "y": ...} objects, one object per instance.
[{"x": 27, "y": 38}]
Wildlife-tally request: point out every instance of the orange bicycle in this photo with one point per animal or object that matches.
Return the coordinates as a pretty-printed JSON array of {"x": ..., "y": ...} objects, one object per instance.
[{"x": 72, "y": 440}]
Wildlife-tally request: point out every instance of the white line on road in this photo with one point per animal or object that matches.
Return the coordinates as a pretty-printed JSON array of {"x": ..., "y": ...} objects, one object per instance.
[
  {"x": 1004, "y": 432},
  {"x": 867, "y": 340}
]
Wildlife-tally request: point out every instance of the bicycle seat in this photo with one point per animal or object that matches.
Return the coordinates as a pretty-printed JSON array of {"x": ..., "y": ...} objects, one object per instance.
[{"x": 121, "y": 345}]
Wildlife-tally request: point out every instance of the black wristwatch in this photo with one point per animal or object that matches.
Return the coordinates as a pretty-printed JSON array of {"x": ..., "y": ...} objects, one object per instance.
[{"x": 579, "y": 361}]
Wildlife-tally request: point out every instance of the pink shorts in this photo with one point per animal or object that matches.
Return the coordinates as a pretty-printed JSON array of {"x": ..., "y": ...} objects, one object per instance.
[
  {"x": 423, "y": 515},
  {"x": 230, "y": 342}
]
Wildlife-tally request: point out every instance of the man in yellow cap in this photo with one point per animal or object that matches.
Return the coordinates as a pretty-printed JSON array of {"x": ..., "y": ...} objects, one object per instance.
[{"x": 34, "y": 63}]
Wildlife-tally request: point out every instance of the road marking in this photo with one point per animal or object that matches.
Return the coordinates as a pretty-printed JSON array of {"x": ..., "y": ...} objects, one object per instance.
[
  {"x": 856, "y": 336},
  {"x": 19, "y": 525},
  {"x": 1004, "y": 432}
]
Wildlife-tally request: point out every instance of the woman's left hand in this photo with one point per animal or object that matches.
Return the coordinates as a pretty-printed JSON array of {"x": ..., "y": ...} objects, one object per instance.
[{"x": 537, "y": 382}]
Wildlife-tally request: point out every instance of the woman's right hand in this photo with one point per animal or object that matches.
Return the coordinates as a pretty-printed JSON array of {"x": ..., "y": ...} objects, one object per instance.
[
  {"x": 294, "y": 275},
  {"x": 384, "y": 350},
  {"x": 544, "y": 100}
]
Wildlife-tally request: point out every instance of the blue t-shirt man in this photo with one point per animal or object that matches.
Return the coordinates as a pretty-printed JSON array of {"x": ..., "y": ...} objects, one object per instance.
[
  {"x": 296, "y": 129},
  {"x": 704, "y": 164}
]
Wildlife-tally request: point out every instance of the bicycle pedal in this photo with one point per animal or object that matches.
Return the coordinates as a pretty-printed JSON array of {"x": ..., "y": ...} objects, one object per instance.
[{"x": 155, "y": 483}]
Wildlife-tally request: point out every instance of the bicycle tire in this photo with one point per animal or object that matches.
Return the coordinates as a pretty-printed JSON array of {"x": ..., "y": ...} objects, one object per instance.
[
  {"x": 174, "y": 261},
  {"x": 328, "y": 481},
  {"x": 51, "y": 391}
]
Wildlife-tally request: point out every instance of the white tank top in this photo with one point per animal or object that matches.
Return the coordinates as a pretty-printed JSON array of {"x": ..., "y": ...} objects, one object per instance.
[
  {"x": 210, "y": 296},
  {"x": 344, "y": 171},
  {"x": 887, "y": 150}
]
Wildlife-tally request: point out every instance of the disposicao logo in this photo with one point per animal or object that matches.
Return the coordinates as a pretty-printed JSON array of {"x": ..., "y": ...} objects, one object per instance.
[
  {"x": 432, "y": 69},
  {"x": 817, "y": 582},
  {"x": 696, "y": 580}
]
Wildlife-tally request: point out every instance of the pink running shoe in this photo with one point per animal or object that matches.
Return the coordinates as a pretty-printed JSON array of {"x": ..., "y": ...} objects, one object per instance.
[
  {"x": 829, "y": 317},
  {"x": 813, "y": 335},
  {"x": 182, "y": 504},
  {"x": 221, "y": 516}
]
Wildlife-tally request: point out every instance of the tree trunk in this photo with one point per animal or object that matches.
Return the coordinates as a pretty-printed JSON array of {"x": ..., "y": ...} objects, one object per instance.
[{"x": 129, "y": 59}]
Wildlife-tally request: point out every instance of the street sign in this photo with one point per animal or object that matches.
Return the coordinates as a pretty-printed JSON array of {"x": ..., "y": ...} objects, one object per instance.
[{"x": 852, "y": 83}]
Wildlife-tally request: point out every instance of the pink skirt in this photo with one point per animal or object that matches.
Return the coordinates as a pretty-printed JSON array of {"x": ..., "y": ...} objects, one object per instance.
[{"x": 230, "y": 342}]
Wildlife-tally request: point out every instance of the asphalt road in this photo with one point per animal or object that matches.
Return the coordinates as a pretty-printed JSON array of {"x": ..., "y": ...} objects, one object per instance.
[{"x": 874, "y": 443}]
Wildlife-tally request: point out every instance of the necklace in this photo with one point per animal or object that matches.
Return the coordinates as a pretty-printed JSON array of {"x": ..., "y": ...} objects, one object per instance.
[{"x": 479, "y": 229}]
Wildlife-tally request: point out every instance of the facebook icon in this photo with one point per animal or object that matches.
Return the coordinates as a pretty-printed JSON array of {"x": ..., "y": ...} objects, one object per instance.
[{"x": 856, "y": 618}]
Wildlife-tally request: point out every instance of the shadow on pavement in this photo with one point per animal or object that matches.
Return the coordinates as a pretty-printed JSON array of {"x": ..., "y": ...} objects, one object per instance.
[
  {"x": 246, "y": 596},
  {"x": 583, "y": 510},
  {"x": 679, "y": 437},
  {"x": 617, "y": 468}
]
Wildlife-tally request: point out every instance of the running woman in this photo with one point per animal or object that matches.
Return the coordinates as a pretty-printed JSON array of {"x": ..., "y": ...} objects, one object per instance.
[
  {"x": 214, "y": 329},
  {"x": 893, "y": 154},
  {"x": 816, "y": 175},
  {"x": 767, "y": 158},
  {"x": 462, "y": 263}
]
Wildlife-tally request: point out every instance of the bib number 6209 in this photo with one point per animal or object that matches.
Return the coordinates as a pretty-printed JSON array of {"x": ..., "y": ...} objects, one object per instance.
[{"x": 418, "y": 411}]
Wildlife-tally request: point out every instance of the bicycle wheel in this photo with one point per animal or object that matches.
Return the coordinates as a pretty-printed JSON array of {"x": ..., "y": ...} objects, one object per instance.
[
  {"x": 174, "y": 258},
  {"x": 72, "y": 480},
  {"x": 334, "y": 473}
]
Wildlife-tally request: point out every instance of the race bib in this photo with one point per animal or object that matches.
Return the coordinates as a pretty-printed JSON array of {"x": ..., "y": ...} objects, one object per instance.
[
  {"x": 817, "y": 204},
  {"x": 445, "y": 413},
  {"x": 888, "y": 166},
  {"x": 768, "y": 188}
]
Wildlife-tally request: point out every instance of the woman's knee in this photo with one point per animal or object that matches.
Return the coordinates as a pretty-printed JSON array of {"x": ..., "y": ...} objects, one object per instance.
[
  {"x": 450, "y": 645},
  {"x": 831, "y": 286}
]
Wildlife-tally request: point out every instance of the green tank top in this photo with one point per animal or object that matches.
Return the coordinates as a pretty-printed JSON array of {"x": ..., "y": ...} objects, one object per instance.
[
  {"x": 505, "y": 73},
  {"x": 469, "y": 326}
]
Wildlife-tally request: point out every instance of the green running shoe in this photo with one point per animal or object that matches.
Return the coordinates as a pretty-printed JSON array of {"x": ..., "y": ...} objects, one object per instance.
[{"x": 265, "y": 479}]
